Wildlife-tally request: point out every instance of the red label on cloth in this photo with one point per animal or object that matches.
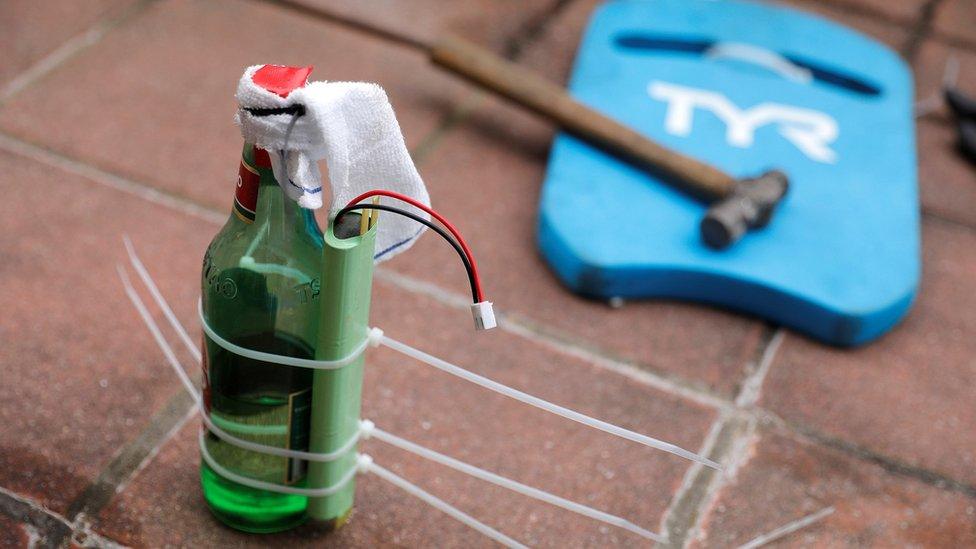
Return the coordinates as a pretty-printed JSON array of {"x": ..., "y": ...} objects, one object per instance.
[
  {"x": 246, "y": 196},
  {"x": 280, "y": 79}
]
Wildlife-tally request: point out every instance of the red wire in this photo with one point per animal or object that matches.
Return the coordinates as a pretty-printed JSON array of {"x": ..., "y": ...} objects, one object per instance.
[{"x": 447, "y": 224}]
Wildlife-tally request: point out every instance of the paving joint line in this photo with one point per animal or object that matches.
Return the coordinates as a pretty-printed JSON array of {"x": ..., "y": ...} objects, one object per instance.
[
  {"x": 920, "y": 30},
  {"x": 70, "y": 48},
  {"x": 854, "y": 7},
  {"x": 128, "y": 461},
  {"x": 48, "y": 528},
  {"x": 926, "y": 476},
  {"x": 933, "y": 216},
  {"x": 729, "y": 442},
  {"x": 17, "y": 146},
  {"x": 516, "y": 325},
  {"x": 533, "y": 28}
]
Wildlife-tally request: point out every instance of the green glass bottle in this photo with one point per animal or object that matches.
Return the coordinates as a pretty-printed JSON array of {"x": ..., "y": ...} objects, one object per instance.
[{"x": 260, "y": 290}]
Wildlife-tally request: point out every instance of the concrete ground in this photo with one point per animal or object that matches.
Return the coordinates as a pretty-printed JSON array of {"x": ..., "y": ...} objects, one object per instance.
[{"x": 117, "y": 116}]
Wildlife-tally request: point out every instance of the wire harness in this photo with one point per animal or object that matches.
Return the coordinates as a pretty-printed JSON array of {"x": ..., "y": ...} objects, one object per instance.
[{"x": 481, "y": 310}]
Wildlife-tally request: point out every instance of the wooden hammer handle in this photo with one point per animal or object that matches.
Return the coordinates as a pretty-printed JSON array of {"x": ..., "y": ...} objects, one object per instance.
[{"x": 549, "y": 100}]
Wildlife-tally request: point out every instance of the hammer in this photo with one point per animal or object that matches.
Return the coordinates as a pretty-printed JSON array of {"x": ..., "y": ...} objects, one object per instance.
[{"x": 736, "y": 205}]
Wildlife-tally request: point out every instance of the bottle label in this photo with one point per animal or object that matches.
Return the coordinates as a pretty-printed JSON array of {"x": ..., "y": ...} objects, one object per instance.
[
  {"x": 246, "y": 196},
  {"x": 299, "y": 426}
]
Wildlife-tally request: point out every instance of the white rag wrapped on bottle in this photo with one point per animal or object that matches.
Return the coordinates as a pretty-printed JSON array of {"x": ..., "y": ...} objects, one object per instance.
[{"x": 352, "y": 126}]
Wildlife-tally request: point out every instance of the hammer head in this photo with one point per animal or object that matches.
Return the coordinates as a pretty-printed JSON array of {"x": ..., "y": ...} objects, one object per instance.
[{"x": 749, "y": 206}]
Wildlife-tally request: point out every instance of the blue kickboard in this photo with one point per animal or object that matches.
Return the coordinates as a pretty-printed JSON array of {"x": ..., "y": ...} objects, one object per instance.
[{"x": 830, "y": 107}]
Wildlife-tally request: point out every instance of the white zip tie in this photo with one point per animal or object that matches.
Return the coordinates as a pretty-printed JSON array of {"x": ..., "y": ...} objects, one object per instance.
[
  {"x": 158, "y": 297},
  {"x": 370, "y": 430},
  {"x": 439, "y": 504},
  {"x": 543, "y": 404},
  {"x": 271, "y": 486},
  {"x": 787, "y": 529},
  {"x": 280, "y": 359},
  {"x": 365, "y": 463},
  {"x": 158, "y": 336},
  {"x": 198, "y": 401}
]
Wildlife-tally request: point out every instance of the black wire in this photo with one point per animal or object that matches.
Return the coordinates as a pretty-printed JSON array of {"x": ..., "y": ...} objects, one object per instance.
[
  {"x": 447, "y": 236},
  {"x": 296, "y": 110}
]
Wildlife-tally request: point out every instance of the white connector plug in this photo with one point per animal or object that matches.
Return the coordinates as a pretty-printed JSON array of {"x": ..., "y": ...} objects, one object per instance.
[{"x": 484, "y": 316}]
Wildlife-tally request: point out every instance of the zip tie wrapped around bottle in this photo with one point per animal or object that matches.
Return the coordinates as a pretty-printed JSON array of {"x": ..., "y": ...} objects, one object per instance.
[{"x": 351, "y": 125}]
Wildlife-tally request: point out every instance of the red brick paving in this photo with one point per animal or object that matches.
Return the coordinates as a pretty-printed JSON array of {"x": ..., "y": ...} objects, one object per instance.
[
  {"x": 76, "y": 383},
  {"x": 910, "y": 395},
  {"x": 930, "y": 69},
  {"x": 159, "y": 110},
  {"x": 13, "y": 534},
  {"x": 489, "y": 22},
  {"x": 32, "y": 30},
  {"x": 469, "y": 423},
  {"x": 892, "y": 35},
  {"x": 903, "y": 11},
  {"x": 904, "y": 400},
  {"x": 947, "y": 181},
  {"x": 786, "y": 479},
  {"x": 956, "y": 19}
]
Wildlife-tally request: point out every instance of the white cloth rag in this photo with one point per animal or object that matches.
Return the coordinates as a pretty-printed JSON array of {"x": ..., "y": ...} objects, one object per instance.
[{"x": 352, "y": 126}]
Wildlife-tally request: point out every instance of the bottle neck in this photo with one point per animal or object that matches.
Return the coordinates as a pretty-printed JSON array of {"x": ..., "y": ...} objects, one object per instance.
[{"x": 260, "y": 202}]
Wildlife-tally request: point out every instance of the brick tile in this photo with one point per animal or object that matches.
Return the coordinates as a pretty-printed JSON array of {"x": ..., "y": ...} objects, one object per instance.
[
  {"x": 489, "y": 22},
  {"x": 77, "y": 381},
  {"x": 909, "y": 395},
  {"x": 553, "y": 51},
  {"x": 904, "y": 12},
  {"x": 13, "y": 533},
  {"x": 887, "y": 33},
  {"x": 787, "y": 479},
  {"x": 160, "y": 110},
  {"x": 957, "y": 19},
  {"x": 947, "y": 180},
  {"x": 34, "y": 29},
  {"x": 930, "y": 68},
  {"x": 471, "y": 424}
]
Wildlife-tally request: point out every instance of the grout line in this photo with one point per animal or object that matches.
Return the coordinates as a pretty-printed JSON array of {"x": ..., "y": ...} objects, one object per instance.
[
  {"x": 920, "y": 29},
  {"x": 691, "y": 476},
  {"x": 860, "y": 9},
  {"x": 68, "y": 50},
  {"x": 627, "y": 369},
  {"x": 176, "y": 428},
  {"x": 533, "y": 28},
  {"x": 146, "y": 192},
  {"x": 734, "y": 436},
  {"x": 48, "y": 528},
  {"x": 888, "y": 464},
  {"x": 937, "y": 217},
  {"x": 752, "y": 386},
  {"x": 131, "y": 458},
  {"x": 27, "y": 511},
  {"x": 959, "y": 42},
  {"x": 514, "y": 325}
]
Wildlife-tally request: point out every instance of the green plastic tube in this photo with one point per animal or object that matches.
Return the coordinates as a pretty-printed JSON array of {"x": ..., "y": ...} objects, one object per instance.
[{"x": 347, "y": 279}]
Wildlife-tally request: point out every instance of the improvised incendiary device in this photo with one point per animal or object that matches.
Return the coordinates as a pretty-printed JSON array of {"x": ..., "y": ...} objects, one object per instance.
[{"x": 285, "y": 308}]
